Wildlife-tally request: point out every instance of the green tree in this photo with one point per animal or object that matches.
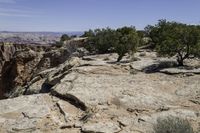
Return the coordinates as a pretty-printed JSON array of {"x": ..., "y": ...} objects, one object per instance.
[
  {"x": 175, "y": 39},
  {"x": 127, "y": 41},
  {"x": 64, "y": 37},
  {"x": 142, "y": 38},
  {"x": 89, "y": 33},
  {"x": 73, "y": 36},
  {"x": 108, "y": 40},
  {"x": 100, "y": 40},
  {"x": 104, "y": 40}
]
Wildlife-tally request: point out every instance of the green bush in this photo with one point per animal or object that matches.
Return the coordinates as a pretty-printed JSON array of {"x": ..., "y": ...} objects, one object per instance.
[
  {"x": 172, "y": 125},
  {"x": 127, "y": 41},
  {"x": 121, "y": 41},
  {"x": 104, "y": 40},
  {"x": 64, "y": 37},
  {"x": 89, "y": 33},
  {"x": 143, "y": 40},
  {"x": 58, "y": 44}
]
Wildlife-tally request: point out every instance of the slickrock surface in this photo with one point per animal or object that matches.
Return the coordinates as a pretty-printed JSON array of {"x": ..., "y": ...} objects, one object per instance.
[{"x": 94, "y": 94}]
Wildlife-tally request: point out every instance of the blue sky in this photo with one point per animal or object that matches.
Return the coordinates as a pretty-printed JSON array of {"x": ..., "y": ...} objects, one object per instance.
[{"x": 80, "y": 15}]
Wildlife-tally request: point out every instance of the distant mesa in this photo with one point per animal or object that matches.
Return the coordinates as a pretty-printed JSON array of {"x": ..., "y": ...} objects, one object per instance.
[{"x": 33, "y": 37}]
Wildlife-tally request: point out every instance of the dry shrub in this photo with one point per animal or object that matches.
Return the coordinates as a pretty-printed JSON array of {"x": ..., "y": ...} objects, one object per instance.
[{"x": 172, "y": 125}]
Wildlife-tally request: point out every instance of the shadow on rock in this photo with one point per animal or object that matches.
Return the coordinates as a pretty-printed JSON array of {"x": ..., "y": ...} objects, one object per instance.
[
  {"x": 159, "y": 66},
  {"x": 46, "y": 88}
]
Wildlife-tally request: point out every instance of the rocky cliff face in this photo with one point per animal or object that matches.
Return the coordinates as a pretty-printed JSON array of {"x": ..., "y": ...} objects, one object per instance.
[
  {"x": 7, "y": 62},
  {"x": 95, "y": 94},
  {"x": 19, "y": 63}
]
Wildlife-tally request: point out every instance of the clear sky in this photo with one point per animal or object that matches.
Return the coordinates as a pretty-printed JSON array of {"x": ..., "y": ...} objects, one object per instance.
[{"x": 80, "y": 15}]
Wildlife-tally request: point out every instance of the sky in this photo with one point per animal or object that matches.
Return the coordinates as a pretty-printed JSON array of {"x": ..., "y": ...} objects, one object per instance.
[{"x": 81, "y": 15}]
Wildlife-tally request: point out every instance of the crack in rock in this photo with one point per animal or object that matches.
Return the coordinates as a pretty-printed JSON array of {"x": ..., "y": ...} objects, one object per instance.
[
  {"x": 62, "y": 111},
  {"x": 71, "y": 99}
]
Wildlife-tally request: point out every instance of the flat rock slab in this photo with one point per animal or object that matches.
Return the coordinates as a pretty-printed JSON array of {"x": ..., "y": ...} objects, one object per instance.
[
  {"x": 35, "y": 113},
  {"x": 142, "y": 64},
  {"x": 153, "y": 64},
  {"x": 122, "y": 89},
  {"x": 97, "y": 94},
  {"x": 180, "y": 71},
  {"x": 101, "y": 127}
]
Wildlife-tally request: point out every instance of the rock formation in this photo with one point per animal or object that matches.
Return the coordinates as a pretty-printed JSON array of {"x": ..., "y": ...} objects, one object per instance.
[
  {"x": 19, "y": 63},
  {"x": 59, "y": 91}
]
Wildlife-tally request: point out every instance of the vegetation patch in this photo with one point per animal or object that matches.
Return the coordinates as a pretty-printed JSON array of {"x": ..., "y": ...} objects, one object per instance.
[{"x": 172, "y": 125}]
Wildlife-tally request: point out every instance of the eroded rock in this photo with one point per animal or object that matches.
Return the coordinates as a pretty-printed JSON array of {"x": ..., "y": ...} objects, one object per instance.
[
  {"x": 36, "y": 113},
  {"x": 101, "y": 127},
  {"x": 96, "y": 94}
]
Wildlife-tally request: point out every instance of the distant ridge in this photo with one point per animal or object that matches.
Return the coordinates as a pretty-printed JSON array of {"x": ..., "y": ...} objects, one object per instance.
[
  {"x": 78, "y": 33},
  {"x": 34, "y": 37}
]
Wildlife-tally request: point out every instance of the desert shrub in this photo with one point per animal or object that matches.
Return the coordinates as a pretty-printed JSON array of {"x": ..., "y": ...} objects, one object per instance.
[
  {"x": 172, "y": 125},
  {"x": 58, "y": 44}
]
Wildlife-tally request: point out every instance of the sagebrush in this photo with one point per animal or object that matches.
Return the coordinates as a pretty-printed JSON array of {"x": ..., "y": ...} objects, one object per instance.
[{"x": 172, "y": 125}]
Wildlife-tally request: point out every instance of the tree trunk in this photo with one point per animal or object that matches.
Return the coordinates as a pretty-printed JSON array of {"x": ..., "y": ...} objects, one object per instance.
[
  {"x": 180, "y": 61},
  {"x": 119, "y": 58}
]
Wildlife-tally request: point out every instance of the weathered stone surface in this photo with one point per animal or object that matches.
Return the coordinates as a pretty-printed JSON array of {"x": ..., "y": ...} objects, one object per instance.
[
  {"x": 101, "y": 127},
  {"x": 95, "y": 84},
  {"x": 180, "y": 71},
  {"x": 96, "y": 94},
  {"x": 98, "y": 85},
  {"x": 21, "y": 63},
  {"x": 17, "y": 63},
  {"x": 150, "y": 65},
  {"x": 36, "y": 113}
]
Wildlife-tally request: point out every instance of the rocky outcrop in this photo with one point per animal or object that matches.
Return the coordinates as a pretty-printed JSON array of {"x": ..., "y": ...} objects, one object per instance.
[
  {"x": 96, "y": 94},
  {"x": 20, "y": 63},
  {"x": 17, "y": 65},
  {"x": 37, "y": 113}
]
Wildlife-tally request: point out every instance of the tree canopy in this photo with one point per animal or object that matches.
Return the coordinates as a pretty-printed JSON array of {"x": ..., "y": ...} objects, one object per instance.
[
  {"x": 128, "y": 41},
  {"x": 108, "y": 40},
  {"x": 175, "y": 39},
  {"x": 64, "y": 37},
  {"x": 168, "y": 38}
]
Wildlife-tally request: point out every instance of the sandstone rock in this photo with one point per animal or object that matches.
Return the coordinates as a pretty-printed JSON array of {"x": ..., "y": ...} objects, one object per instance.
[
  {"x": 45, "y": 80},
  {"x": 95, "y": 86},
  {"x": 101, "y": 127},
  {"x": 17, "y": 72},
  {"x": 36, "y": 113},
  {"x": 21, "y": 63},
  {"x": 97, "y": 95},
  {"x": 6, "y": 52},
  {"x": 55, "y": 76},
  {"x": 151, "y": 65},
  {"x": 180, "y": 71},
  {"x": 17, "y": 62}
]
